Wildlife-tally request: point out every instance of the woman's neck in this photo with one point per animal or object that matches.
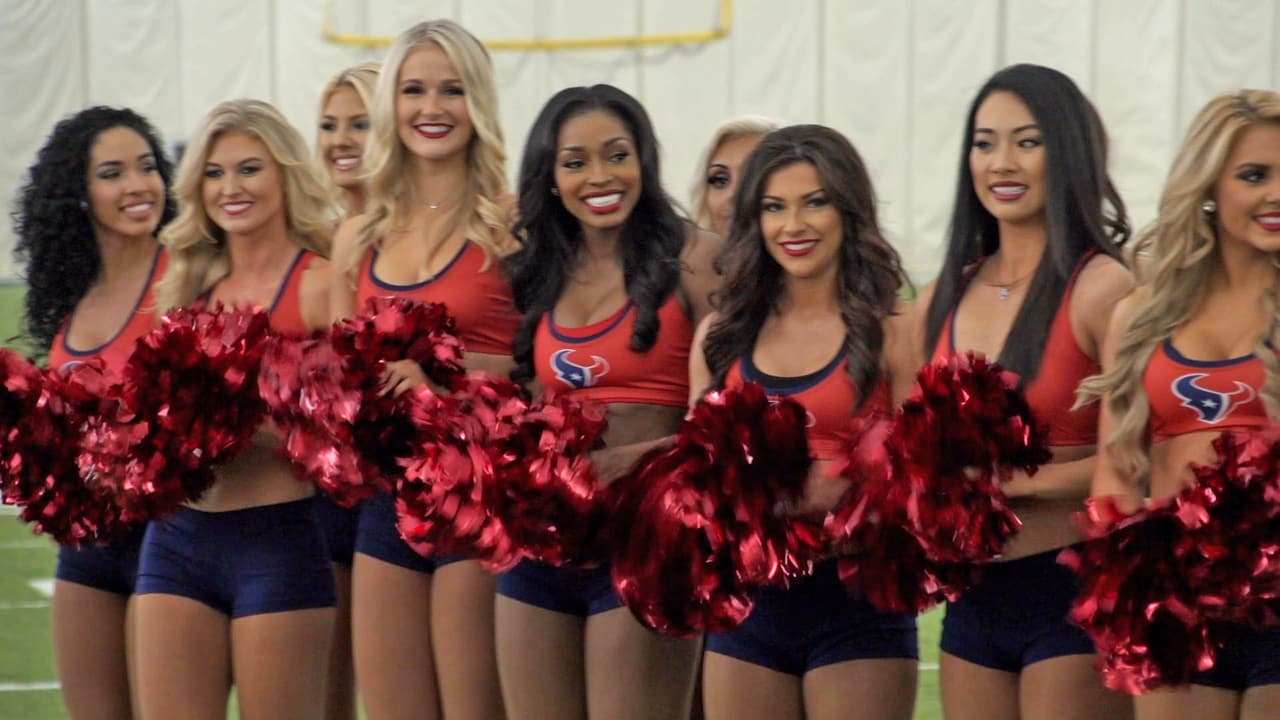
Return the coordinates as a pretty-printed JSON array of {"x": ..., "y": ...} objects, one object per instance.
[
  {"x": 1244, "y": 270},
  {"x": 354, "y": 198},
  {"x": 1021, "y": 247},
  {"x": 810, "y": 296},
  {"x": 437, "y": 185},
  {"x": 120, "y": 254},
  {"x": 261, "y": 253}
]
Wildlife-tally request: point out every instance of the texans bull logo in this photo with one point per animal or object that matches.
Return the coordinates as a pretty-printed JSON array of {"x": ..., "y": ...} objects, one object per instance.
[
  {"x": 577, "y": 375},
  {"x": 1212, "y": 406}
]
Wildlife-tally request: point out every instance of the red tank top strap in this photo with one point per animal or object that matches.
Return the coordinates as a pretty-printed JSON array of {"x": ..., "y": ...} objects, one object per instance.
[
  {"x": 286, "y": 310},
  {"x": 115, "y": 352}
]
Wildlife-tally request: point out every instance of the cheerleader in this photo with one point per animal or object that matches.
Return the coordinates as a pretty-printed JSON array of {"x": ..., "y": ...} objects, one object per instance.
[
  {"x": 237, "y": 587},
  {"x": 85, "y": 224},
  {"x": 344, "y": 122},
  {"x": 716, "y": 174},
  {"x": 433, "y": 230},
  {"x": 1191, "y": 352},
  {"x": 1031, "y": 274},
  {"x": 611, "y": 282},
  {"x": 810, "y": 310}
]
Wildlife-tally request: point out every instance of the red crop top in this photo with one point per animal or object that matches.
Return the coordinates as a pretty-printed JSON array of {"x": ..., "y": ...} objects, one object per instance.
[
  {"x": 1062, "y": 366},
  {"x": 285, "y": 313},
  {"x": 1189, "y": 396},
  {"x": 115, "y": 352},
  {"x": 479, "y": 300},
  {"x": 595, "y": 362},
  {"x": 827, "y": 395}
]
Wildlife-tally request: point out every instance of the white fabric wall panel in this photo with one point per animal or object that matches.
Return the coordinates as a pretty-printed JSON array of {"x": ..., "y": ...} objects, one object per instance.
[
  {"x": 134, "y": 61},
  {"x": 590, "y": 18},
  {"x": 954, "y": 49},
  {"x": 1057, "y": 33},
  {"x": 685, "y": 90},
  {"x": 521, "y": 77},
  {"x": 389, "y": 17},
  {"x": 301, "y": 65},
  {"x": 866, "y": 93},
  {"x": 42, "y": 79},
  {"x": 226, "y": 52},
  {"x": 1226, "y": 44},
  {"x": 1135, "y": 89},
  {"x": 775, "y": 51}
]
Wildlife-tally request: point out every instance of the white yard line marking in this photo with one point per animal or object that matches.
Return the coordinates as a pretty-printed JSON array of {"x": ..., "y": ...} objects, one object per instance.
[
  {"x": 24, "y": 544},
  {"x": 29, "y": 605},
  {"x": 44, "y": 587},
  {"x": 29, "y": 687}
]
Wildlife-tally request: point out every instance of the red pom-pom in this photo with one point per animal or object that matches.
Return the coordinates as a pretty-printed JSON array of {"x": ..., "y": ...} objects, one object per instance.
[
  {"x": 341, "y": 431},
  {"x": 925, "y": 506},
  {"x": 449, "y": 488},
  {"x": 187, "y": 401},
  {"x": 549, "y": 499},
  {"x": 703, "y": 528},
  {"x": 41, "y": 416},
  {"x": 1159, "y": 585}
]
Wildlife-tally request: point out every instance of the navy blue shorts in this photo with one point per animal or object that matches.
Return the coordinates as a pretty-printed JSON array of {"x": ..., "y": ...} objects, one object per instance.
[
  {"x": 254, "y": 561},
  {"x": 1016, "y": 615},
  {"x": 816, "y": 622},
  {"x": 339, "y": 527},
  {"x": 1248, "y": 658},
  {"x": 564, "y": 590},
  {"x": 378, "y": 537},
  {"x": 110, "y": 567}
]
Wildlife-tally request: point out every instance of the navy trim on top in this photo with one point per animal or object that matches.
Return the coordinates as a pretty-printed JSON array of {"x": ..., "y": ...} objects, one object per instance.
[
  {"x": 562, "y": 335},
  {"x": 1181, "y": 359},
  {"x": 151, "y": 274},
  {"x": 780, "y": 385},
  {"x": 414, "y": 286}
]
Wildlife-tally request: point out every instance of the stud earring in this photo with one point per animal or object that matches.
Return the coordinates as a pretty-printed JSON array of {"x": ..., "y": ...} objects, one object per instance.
[
  {"x": 84, "y": 205},
  {"x": 1209, "y": 207},
  {"x": 555, "y": 191}
]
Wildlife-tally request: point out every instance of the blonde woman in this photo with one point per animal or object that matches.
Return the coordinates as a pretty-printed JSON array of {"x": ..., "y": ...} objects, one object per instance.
[
  {"x": 1192, "y": 352},
  {"x": 344, "y": 124},
  {"x": 433, "y": 230},
  {"x": 340, "y": 140},
  {"x": 237, "y": 588},
  {"x": 716, "y": 174}
]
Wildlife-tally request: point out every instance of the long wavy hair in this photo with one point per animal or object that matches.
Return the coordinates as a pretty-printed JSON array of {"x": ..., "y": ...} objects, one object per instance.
[
  {"x": 198, "y": 254},
  {"x": 388, "y": 182},
  {"x": 1083, "y": 210},
  {"x": 869, "y": 273},
  {"x": 741, "y": 126},
  {"x": 652, "y": 239},
  {"x": 363, "y": 79},
  {"x": 1179, "y": 258},
  {"x": 52, "y": 221}
]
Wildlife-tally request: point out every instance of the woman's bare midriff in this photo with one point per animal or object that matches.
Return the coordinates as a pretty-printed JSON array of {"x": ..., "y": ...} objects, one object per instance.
[
  {"x": 1171, "y": 460},
  {"x": 258, "y": 476},
  {"x": 631, "y": 423},
  {"x": 1047, "y": 524}
]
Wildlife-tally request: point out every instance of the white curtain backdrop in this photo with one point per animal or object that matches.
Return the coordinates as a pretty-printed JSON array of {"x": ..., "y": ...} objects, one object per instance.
[{"x": 895, "y": 75}]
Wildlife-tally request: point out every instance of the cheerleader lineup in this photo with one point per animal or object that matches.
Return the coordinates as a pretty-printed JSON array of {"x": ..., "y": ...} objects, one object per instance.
[{"x": 1048, "y": 513}]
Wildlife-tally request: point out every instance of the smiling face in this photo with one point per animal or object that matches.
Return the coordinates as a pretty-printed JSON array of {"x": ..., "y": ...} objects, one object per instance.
[
  {"x": 597, "y": 169},
  {"x": 722, "y": 172},
  {"x": 126, "y": 192},
  {"x": 1247, "y": 190},
  {"x": 243, "y": 188},
  {"x": 344, "y": 123},
  {"x": 432, "y": 118},
  {"x": 801, "y": 228},
  {"x": 1007, "y": 160}
]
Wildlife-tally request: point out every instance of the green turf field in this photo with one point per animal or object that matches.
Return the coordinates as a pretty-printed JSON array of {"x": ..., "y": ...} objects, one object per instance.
[{"x": 28, "y": 687}]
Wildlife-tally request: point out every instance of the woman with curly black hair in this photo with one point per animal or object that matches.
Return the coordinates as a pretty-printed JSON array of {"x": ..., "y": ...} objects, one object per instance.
[
  {"x": 610, "y": 281},
  {"x": 810, "y": 310},
  {"x": 86, "y": 223}
]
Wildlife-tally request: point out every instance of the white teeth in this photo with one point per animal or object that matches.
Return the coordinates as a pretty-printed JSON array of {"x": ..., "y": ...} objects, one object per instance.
[
  {"x": 804, "y": 245},
  {"x": 434, "y": 129},
  {"x": 600, "y": 201},
  {"x": 346, "y": 163},
  {"x": 234, "y": 208},
  {"x": 1009, "y": 190},
  {"x": 139, "y": 207}
]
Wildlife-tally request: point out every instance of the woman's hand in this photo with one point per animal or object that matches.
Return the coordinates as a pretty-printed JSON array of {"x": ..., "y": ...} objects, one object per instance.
[{"x": 401, "y": 376}]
